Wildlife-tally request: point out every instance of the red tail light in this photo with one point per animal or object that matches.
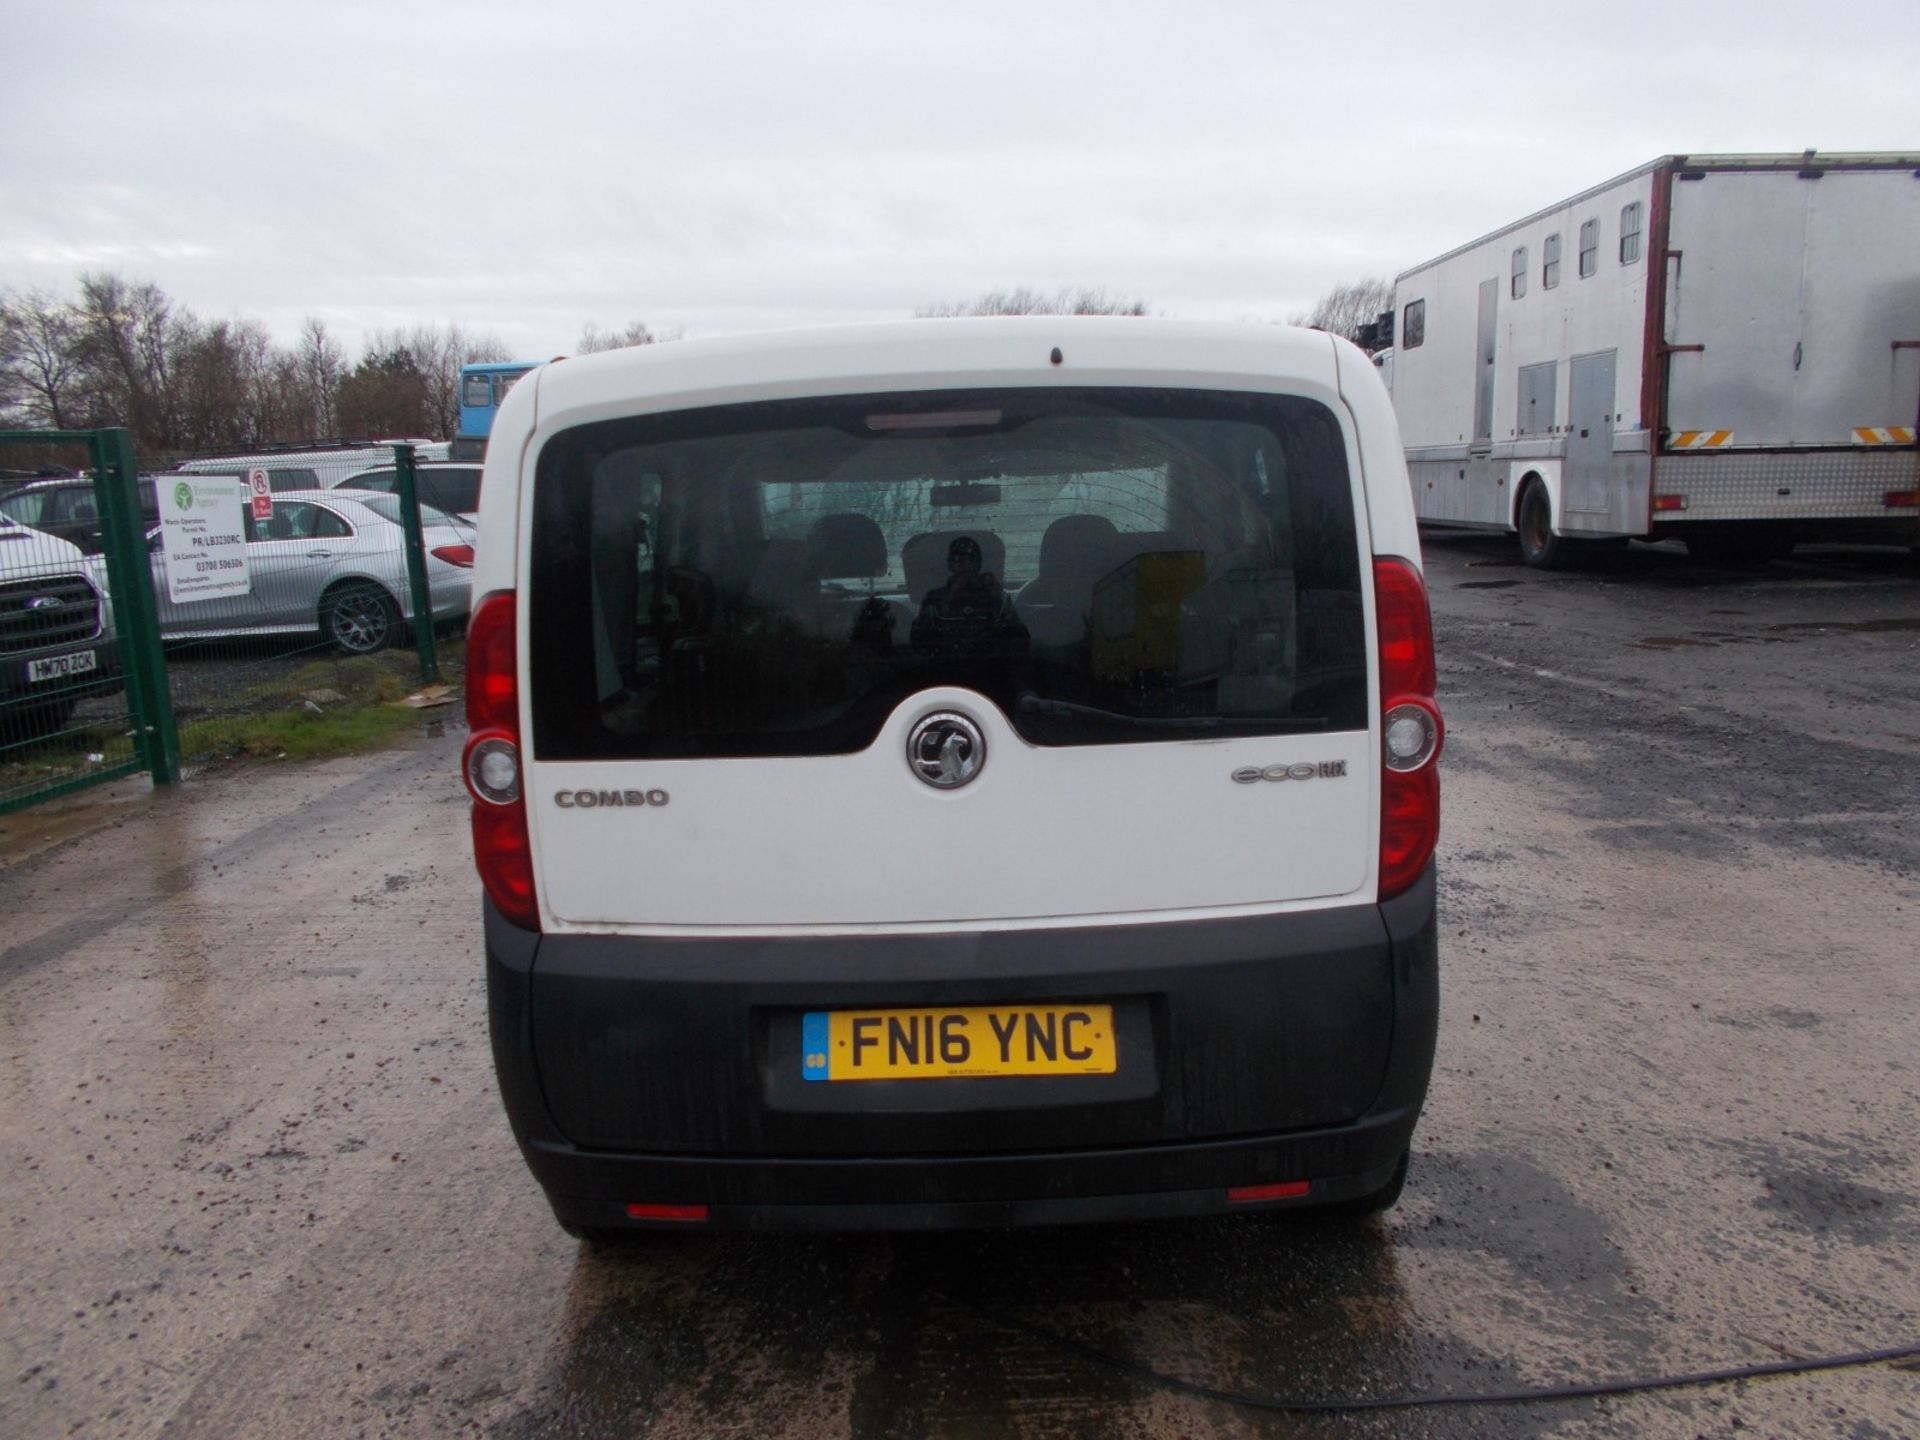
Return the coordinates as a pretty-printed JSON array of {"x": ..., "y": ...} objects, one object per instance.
[
  {"x": 502, "y": 849},
  {"x": 1903, "y": 499},
  {"x": 461, "y": 555},
  {"x": 1412, "y": 732}
]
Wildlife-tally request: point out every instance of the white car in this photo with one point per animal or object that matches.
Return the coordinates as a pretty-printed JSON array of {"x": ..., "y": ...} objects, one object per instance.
[
  {"x": 963, "y": 772},
  {"x": 312, "y": 469}
]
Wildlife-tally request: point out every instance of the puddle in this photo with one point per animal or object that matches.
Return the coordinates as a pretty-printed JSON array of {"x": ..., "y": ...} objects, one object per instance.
[
  {"x": 1896, "y": 625},
  {"x": 1668, "y": 642}
]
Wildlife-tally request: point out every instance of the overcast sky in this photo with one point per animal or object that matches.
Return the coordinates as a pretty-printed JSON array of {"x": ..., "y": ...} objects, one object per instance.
[{"x": 523, "y": 168}]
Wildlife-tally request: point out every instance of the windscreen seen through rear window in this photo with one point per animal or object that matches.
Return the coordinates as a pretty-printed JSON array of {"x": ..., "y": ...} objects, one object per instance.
[{"x": 1104, "y": 565}]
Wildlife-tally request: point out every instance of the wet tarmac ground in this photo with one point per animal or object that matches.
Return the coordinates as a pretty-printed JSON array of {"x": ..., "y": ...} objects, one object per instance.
[{"x": 254, "y": 1179}]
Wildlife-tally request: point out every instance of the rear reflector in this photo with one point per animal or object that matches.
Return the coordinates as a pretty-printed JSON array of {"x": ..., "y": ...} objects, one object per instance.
[
  {"x": 1904, "y": 499},
  {"x": 691, "y": 1214},
  {"x": 461, "y": 555},
  {"x": 1669, "y": 502},
  {"x": 1283, "y": 1190}
]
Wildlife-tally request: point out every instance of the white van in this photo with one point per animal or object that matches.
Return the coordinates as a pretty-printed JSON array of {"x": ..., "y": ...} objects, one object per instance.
[
  {"x": 57, "y": 635},
  {"x": 955, "y": 773},
  {"x": 313, "y": 469}
]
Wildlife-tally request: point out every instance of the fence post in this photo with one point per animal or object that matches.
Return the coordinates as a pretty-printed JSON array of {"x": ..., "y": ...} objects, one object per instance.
[
  {"x": 409, "y": 493},
  {"x": 116, "y": 488}
]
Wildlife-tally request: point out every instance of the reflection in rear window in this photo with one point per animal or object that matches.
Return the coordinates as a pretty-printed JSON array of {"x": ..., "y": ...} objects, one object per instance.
[{"x": 1104, "y": 565}]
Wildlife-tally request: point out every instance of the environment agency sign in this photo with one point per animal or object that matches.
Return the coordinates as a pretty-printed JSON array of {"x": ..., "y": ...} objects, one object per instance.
[{"x": 203, "y": 537}]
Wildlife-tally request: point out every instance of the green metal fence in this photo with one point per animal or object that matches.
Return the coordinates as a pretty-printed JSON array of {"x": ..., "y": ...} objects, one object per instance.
[{"x": 163, "y": 621}]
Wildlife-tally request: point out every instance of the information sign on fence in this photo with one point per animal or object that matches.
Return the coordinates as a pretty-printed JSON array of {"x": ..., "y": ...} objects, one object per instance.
[{"x": 203, "y": 535}]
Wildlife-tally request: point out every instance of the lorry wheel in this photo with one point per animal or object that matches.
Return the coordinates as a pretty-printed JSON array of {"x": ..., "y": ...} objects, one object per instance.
[{"x": 1539, "y": 546}]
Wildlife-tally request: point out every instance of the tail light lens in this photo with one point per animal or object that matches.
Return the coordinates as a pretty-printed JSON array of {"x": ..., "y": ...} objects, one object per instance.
[
  {"x": 502, "y": 849},
  {"x": 1412, "y": 732},
  {"x": 461, "y": 555}
]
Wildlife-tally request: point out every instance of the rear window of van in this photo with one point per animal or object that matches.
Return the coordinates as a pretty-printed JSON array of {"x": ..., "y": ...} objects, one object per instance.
[{"x": 1107, "y": 566}]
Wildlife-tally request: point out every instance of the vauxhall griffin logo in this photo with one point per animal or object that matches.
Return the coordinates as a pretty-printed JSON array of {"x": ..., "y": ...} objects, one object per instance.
[{"x": 946, "y": 750}]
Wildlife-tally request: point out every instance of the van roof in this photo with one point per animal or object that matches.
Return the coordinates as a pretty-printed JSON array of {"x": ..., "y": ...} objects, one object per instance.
[{"x": 932, "y": 354}]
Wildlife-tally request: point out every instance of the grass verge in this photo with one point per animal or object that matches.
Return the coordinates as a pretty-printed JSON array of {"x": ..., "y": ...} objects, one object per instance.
[{"x": 298, "y": 706}]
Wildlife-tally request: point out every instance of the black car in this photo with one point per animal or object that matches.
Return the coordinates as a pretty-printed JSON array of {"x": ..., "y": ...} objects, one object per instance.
[{"x": 70, "y": 509}]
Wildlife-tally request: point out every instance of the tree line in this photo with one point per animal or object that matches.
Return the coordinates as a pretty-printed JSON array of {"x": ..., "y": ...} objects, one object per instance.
[{"x": 122, "y": 352}]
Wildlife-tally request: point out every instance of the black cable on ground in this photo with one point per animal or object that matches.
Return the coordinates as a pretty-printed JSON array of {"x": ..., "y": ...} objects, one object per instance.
[{"x": 1592, "y": 1390}]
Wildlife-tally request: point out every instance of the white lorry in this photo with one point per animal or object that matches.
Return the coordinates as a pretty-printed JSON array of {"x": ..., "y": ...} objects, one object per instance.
[{"x": 1723, "y": 349}]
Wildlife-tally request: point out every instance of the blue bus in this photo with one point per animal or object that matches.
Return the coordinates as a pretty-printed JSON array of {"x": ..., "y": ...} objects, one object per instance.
[{"x": 483, "y": 386}]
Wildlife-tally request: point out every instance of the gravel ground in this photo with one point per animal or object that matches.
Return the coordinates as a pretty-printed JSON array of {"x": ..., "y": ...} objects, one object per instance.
[{"x": 256, "y": 1180}]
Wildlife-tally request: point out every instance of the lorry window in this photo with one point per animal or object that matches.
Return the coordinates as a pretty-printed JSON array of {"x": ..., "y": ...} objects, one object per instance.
[
  {"x": 1413, "y": 328},
  {"x": 1550, "y": 262},
  {"x": 1589, "y": 246},
  {"x": 1630, "y": 233},
  {"x": 1106, "y": 566},
  {"x": 1519, "y": 286}
]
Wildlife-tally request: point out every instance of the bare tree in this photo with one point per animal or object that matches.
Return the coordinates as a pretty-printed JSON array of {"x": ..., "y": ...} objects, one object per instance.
[
  {"x": 593, "y": 339},
  {"x": 127, "y": 342},
  {"x": 40, "y": 376},
  {"x": 1025, "y": 300},
  {"x": 322, "y": 366},
  {"x": 1345, "y": 308}
]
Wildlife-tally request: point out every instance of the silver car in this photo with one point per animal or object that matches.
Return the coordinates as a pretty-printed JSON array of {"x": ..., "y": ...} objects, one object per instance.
[{"x": 331, "y": 559}]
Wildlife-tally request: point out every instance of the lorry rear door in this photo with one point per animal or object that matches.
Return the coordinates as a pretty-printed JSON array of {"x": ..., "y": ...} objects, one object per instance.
[{"x": 1795, "y": 284}]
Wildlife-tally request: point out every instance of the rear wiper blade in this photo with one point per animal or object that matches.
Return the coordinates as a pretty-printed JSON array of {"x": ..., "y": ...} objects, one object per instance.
[{"x": 1032, "y": 704}]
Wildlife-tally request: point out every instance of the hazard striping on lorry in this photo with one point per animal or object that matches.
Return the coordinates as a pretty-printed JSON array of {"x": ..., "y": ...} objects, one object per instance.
[
  {"x": 1884, "y": 434},
  {"x": 1701, "y": 439}
]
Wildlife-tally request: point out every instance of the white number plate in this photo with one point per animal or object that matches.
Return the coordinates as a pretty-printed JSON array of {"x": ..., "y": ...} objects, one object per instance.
[{"x": 58, "y": 667}]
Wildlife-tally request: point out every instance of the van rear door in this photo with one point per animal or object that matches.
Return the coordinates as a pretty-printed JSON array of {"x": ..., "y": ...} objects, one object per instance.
[{"x": 950, "y": 659}]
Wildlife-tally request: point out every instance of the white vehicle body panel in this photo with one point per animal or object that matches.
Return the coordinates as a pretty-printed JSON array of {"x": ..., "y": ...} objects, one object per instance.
[
  {"x": 832, "y": 841},
  {"x": 818, "y": 833},
  {"x": 1797, "y": 289}
]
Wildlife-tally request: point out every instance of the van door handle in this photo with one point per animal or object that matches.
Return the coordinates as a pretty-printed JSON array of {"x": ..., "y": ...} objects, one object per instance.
[{"x": 319, "y": 554}]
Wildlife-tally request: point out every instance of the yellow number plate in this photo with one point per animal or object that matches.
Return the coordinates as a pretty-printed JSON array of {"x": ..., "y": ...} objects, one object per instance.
[{"x": 945, "y": 1044}]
